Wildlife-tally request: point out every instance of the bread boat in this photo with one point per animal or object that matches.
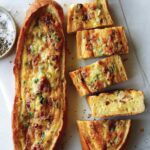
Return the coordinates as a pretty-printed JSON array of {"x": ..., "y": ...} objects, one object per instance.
[{"x": 39, "y": 106}]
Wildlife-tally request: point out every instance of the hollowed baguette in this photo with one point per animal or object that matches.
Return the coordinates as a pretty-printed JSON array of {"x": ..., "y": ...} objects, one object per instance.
[
  {"x": 99, "y": 75},
  {"x": 117, "y": 103},
  {"x": 101, "y": 42},
  {"x": 103, "y": 135},
  {"x": 39, "y": 106},
  {"x": 88, "y": 15}
]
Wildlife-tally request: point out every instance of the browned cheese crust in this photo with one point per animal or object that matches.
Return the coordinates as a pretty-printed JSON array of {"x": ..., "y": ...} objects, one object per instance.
[{"x": 39, "y": 69}]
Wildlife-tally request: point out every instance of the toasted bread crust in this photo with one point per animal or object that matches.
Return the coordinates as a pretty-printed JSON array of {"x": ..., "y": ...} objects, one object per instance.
[
  {"x": 34, "y": 8},
  {"x": 93, "y": 136}
]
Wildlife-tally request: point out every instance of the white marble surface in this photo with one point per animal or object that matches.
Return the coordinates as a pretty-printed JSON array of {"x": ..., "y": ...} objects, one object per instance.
[{"x": 135, "y": 17}]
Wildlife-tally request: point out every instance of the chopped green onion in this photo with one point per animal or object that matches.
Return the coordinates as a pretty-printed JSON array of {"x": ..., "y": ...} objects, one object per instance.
[{"x": 36, "y": 80}]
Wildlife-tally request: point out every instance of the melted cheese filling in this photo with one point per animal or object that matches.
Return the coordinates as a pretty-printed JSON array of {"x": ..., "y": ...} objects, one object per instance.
[
  {"x": 42, "y": 101},
  {"x": 119, "y": 102}
]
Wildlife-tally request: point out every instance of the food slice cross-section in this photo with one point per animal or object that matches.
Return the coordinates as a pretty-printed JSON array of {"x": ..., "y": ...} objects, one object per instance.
[
  {"x": 104, "y": 134},
  {"x": 101, "y": 42},
  {"x": 88, "y": 15},
  {"x": 117, "y": 103},
  {"x": 99, "y": 75}
]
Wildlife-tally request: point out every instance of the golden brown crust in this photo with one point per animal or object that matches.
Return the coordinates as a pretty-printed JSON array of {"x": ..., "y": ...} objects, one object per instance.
[
  {"x": 34, "y": 8},
  {"x": 77, "y": 24},
  {"x": 96, "y": 135}
]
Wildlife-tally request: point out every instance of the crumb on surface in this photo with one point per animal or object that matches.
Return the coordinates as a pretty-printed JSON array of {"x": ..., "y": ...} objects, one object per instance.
[
  {"x": 89, "y": 115},
  {"x": 142, "y": 130},
  {"x": 65, "y": 5}
]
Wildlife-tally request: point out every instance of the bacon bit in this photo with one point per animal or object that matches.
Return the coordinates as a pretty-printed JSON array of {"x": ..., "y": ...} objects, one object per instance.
[
  {"x": 55, "y": 58},
  {"x": 79, "y": 7},
  {"x": 37, "y": 147},
  {"x": 44, "y": 85},
  {"x": 28, "y": 141},
  {"x": 47, "y": 19},
  {"x": 28, "y": 104},
  {"x": 99, "y": 85},
  {"x": 29, "y": 49},
  {"x": 35, "y": 60},
  {"x": 94, "y": 38},
  {"x": 107, "y": 102},
  {"x": 50, "y": 119},
  {"x": 89, "y": 46},
  {"x": 84, "y": 73},
  {"x": 37, "y": 126},
  {"x": 112, "y": 35},
  {"x": 104, "y": 40},
  {"x": 84, "y": 17}
]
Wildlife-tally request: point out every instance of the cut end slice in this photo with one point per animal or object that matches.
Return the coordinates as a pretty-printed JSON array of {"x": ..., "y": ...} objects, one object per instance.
[
  {"x": 102, "y": 135},
  {"x": 117, "y": 103}
]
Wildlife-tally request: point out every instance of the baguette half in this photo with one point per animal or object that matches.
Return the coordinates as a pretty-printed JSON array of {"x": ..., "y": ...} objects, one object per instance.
[
  {"x": 101, "y": 42},
  {"x": 117, "y": 103},
  {"x": 103, "y": 135},
  {"x": 88, "y": 15},
  {"x": 99, "y": 75},
  {"x": 39, "y": 106}
]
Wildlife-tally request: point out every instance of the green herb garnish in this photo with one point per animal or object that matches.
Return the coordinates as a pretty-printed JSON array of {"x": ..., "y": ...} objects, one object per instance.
[
  {"x": 42, "y": 99},
  {"x": 31, "y": 114},
  {"x": 43, "y": 135},
  {"x": 27, "y": 63},
  {"x": 36, "y": 80},
  {"x": 57, "y": 105},
  {"x": 55, "y": 36},
  {"x": 25, "y": 124},
  {"x": 24, "y": 82},
  {"x": 112, "y": 68}
]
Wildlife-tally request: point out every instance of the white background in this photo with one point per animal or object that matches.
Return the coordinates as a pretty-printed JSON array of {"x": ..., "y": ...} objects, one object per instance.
[{"x": 135, "y": 16}]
